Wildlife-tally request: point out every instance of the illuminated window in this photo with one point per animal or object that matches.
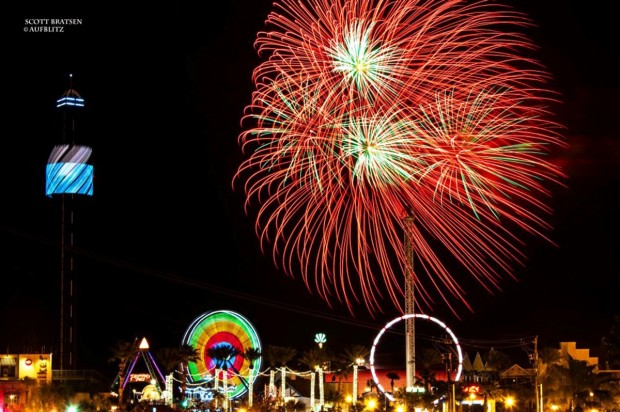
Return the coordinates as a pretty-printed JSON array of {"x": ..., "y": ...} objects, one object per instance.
[{"x": 8, "y": 367}]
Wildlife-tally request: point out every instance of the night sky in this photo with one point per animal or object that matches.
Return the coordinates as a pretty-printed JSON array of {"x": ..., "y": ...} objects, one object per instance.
[{"x": 165, "y": 237}]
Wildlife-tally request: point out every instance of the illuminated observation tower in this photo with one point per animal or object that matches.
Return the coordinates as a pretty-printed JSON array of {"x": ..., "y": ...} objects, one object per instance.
[
  {"x": 68, "y": 175},
  {"x": 409, "y": 305}
]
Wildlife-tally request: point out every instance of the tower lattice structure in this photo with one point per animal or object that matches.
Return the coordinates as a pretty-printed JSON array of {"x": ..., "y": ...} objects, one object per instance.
[{"x": 409, "y": 305}]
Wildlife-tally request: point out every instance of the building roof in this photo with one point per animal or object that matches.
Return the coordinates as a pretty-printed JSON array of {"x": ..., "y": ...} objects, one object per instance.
[{"x": 516, "y": 371}]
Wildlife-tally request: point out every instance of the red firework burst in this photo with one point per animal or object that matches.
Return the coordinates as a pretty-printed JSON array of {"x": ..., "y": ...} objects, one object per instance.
[{"x": 367, "y": 112}]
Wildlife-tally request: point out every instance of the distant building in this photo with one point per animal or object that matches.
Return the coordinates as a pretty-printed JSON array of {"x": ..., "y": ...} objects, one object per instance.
[
  {"x": 579, "y": 354},
  {"x": 20, "y": 372}
]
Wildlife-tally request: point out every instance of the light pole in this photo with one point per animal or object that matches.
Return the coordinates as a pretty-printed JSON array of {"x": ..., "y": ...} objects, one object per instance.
[
  {"x": 447, "y": 357},
  {"x": 537, "y": 384},
  {"x": 358, "y": 362}
]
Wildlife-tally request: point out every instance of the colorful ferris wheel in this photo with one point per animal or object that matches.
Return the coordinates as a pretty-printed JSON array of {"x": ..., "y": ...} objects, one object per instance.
[{"x": 223, "y": 331}]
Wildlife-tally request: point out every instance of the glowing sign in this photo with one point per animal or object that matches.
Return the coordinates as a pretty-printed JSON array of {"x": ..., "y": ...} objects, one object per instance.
[
  {"x": 472, "y": 389},
  {"x": 139, "y": 377},
  {"x": 67, "y": 171}
]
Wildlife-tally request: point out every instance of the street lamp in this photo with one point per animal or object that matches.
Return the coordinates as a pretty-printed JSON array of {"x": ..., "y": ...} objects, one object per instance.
[{"x": 358, "y": 362}]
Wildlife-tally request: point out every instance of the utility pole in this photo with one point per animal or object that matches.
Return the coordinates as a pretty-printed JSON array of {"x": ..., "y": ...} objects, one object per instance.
[
  {"x": 447, "y": 358},
  {"x": 537, "y": 384}
]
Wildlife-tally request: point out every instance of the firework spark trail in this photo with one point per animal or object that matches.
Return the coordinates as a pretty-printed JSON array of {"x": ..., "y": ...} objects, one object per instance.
[{"x": 365, "y": 112}]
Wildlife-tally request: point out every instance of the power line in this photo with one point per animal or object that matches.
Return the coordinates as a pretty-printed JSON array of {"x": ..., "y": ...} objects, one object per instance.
[{"x": 193, "y": 283}]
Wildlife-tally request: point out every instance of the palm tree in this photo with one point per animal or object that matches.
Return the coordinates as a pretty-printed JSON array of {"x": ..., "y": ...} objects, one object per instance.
[
  {"x": 187, "y": 354},
  {"x": 336, "y": 398},
  {"x": 252, "y": 355},
  {"x": 223, "y": 355},
  {"x": 356, "y": 356},
  {"x": 392, "y": 376},
  {"x": 278, "y": 356},
  {"x": 123, "y": 352},
  {"x": 341, "y": 372},
  {"x": 581, "y": 376},
  {"x": 496, "y": 363},
  {"x": 553, "y": 381},
  {"x": 565, "y": 379},
  {"x": 170, "y": 360},
  {"x": 427, "y": 362},
  {"x": 315, "y": 358},
  {"x": 548, "y": 356},
  {"x": 546, "y": 376}
]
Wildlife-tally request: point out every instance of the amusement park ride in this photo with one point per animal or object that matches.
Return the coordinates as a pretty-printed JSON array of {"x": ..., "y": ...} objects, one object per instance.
[
  {"x": 232, "y": 376},
  {"x": 149, "y": 383}
]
